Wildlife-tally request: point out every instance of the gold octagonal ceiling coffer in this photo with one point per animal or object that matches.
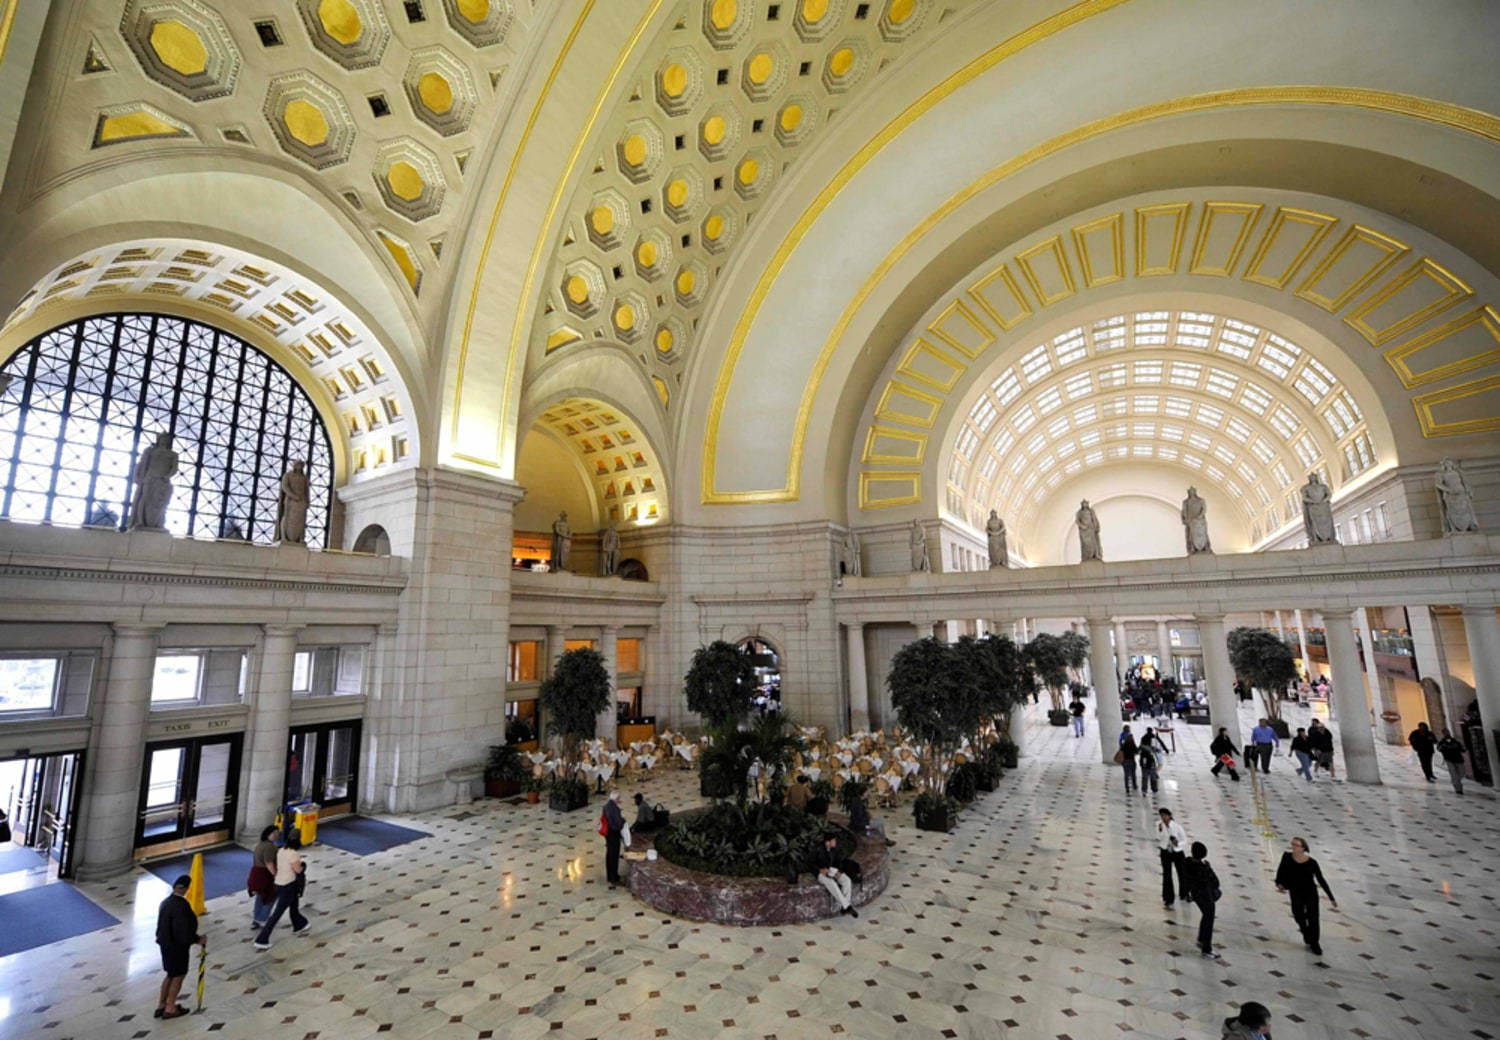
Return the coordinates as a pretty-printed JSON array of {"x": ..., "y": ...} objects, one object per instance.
[
  {"x": 682, "y": 193},
  {"x": 815, "y": 19},
  {"x": 844, "y": 65},
  {"x": 679, "y": 81},
  {"x": 310, "y": 120},
  {"x": 900, "y": 19},
  {"x": 182, "y": 45},
  {"x": 608, "y": 219},
  {"x": 440, "y": 90},
  {"x": 582, "y": 288},
  {"x": 630, "y": 316},
  {"x": 670, "y": 339},
  {"x": 652, "y": 254},
  {"x": 718, "y": 132},
  {"x": 690, "y": 283},
  {"x": 409, "y": 179},
  {"x": 795, "y": 119},
  {"x": 725, "y": 22},
  {"x": 483, "y": 23},
  {"x": 353, "y": 33},
  {"x": 720, "y": 228},
  {"x": 639, "y": 150},
  {"x": 765, "y": 71},
  {"x": 753, "y": 174}
]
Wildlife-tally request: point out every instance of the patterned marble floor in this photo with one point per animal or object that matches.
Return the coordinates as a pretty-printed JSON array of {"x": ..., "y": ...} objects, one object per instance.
[{"x": 1039, "y": 917}]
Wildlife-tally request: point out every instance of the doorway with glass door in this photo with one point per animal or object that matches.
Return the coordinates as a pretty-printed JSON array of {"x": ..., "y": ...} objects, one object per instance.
[
  {"x": 189, "y": 791},
  {"x": 322, "y": 766},
  {"x": 39, "y": 798}
]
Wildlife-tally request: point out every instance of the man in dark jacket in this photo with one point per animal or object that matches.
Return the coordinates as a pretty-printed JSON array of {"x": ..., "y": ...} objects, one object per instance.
[
  {"x": 1423, "y": 743},
  {"x": 176, "y": 933},
  {"x": 1205, "y": 885},
  {"x": 614, "y": 826}
]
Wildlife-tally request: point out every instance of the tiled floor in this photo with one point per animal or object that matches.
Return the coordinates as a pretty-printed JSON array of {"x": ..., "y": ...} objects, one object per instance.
[{"x": 1040, "y": 917}]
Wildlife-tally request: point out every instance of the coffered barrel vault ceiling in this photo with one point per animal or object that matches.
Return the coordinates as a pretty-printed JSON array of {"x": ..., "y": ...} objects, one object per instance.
[
  {"x": 723, "y": 103},
  {"x": 381, "y": 106}
]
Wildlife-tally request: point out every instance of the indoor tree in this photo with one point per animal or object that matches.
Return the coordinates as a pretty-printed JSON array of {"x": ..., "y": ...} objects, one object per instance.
[
  {"x": 1264, "y": 661},
  {"x": 937, "y": 706},
  {"x": 720, "y": 687},
  {"x": 1075, "y": 652},
  {"x": 572, "y": 698},
  {"x": 1048, "y": 659}
]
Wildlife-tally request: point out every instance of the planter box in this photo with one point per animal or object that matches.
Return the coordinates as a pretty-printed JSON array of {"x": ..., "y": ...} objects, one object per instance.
[
  {"x": 1058, "y": 718},
  {"x": 938, "y": 821},
  {"x": 986, "y": 781},
  {"x": 567, "y": 801},
  {"x": 501, "y": 788}
]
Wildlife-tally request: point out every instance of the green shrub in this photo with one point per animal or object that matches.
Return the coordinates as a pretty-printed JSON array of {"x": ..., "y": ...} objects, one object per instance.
[
  {"x": 723, "y": 839},
  {"x": 934, "y": 812},
  {"x": 849, "y": 790},
  {"x": 963, "y": 783}
]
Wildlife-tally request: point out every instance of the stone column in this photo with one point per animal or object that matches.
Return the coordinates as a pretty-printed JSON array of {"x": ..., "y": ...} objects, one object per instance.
[
  {"x": 859, "y": 683},
  {"x": 1427, "y": 647},
  {"x": 1280, "y": 628},
  {"x": 267, "y": 731},
  {"x": 1482, "y": 632},
  {"x": 387, "y": 723},
  {"x": 1106, "y": 689},
  {"x": 1349, "y": 695},
  {"x": 605, "y": 727},
  {"x": 1223, "y": 706},
  {"x": 1164, "y": 644},
  {"x": 1302, "y": 645},
  {"x": 1122, "y": 653},
  {"x": 556, "y": 636},
  {"x": 1390, "y": 732},
  {"x": 118, "y": 750}
]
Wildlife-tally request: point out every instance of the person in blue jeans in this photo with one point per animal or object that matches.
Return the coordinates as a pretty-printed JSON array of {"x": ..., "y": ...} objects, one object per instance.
[
  {"x": 1303, "y": 750},
  {"x": 1264, "y": 739},
  {"x": 290, "y": 875},
  {"x": 1077, "y": 709}
]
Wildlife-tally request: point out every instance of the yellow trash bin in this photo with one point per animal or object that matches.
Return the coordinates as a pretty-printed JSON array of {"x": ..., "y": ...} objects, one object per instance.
[{"x": 305, "y": 818}]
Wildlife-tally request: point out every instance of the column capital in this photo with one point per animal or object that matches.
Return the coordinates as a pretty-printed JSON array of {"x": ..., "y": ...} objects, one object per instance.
[
  {"x": 1209, "y": 619},
  {"x": 1337, "y": 613},
  {"x": 854, "y": 626},
  {"x": 137, "y": 629},
  {"x": 1478, "y": 609},
  {"x": 387, "y": 629},
  {"x": 282, "y": 630}
]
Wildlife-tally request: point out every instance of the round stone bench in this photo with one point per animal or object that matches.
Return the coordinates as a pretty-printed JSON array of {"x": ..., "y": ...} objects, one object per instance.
[{"x": 698, "y": 896}]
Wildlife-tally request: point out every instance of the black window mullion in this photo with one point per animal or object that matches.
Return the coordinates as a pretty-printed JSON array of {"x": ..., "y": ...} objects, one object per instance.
[
  {"x": 64, "y": 414},
  {"x": 140, "y": 411},
  {"x": 110, "y": 369},
  {"x": 21, "y": 422}
]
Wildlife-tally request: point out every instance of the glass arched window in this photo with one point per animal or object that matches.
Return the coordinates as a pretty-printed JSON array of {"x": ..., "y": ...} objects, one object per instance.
[{"x": 85, "y": 399}]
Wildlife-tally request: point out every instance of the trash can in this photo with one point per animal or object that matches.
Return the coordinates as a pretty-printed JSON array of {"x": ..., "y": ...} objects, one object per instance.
[{"x": 305, "y": 819}]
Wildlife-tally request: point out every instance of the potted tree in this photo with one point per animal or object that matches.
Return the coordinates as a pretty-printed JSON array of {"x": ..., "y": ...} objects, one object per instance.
[
  {"x": 503, "y": 772},
  {"x": 572, "y": 698},
  {"x": 1266, "y": 663},
  {"x": 937, "y": 707},
  {"x": 1048, "y": 659},
  {"x": 521, "y": 734},
  {"x": 720, "y": 686},
  {"x": 533, "y": 786}
]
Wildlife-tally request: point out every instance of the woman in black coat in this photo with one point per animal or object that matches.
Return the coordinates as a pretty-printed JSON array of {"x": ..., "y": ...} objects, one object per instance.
[{"x": 1300, "y": 876}]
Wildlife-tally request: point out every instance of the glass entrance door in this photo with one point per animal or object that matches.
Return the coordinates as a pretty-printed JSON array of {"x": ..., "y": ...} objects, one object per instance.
[
  {"x": 188, "y": 791},
  {"x": 40, "y": 798},
  {"x": 322, "y": 764}
]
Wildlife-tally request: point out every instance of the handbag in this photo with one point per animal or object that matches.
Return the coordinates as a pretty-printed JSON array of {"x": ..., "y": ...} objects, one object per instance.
[
  {"x": 603, "y": 826},
  {"x": 1120, "y": 757},
  {"x": 625, "y": 835}
]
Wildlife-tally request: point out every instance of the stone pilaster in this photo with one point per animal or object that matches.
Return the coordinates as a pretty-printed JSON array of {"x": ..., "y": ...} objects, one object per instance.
[
  {"x": 859, "y": 684},
  {"x": 1106, "y": 689},
  {"x": 1349, "y": 695},
  {"x": 266, "y": 733},
  {"x": 1482, "y": 630},
  {"x": 1223, "y": 707}
]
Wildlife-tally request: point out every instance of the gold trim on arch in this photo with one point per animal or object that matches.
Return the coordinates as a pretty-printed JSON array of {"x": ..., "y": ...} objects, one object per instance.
[{"x": 1440, "y": 113}]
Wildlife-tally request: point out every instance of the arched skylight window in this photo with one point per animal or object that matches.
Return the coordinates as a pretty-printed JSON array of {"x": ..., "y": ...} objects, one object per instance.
[{"x": 86, "y": 398}]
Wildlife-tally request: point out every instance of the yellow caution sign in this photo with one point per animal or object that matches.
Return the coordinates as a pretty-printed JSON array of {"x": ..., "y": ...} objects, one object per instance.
[{"x": 195, "y": 890}]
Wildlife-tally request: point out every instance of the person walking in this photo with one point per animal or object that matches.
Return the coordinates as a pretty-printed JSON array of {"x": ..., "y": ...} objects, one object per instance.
[
  {"x": 261, "y": 883},
  {"x": 1126, "y": 757},
  {"x": 1252, "y": 1023},
  {"x": 1265, "y": 740},
  {"x": 1077, "y": 710},
  {"x": 176, "y": 934},
  {"x": 1206, "y": 892},
  {"x": 1146, "y": 758},
  {"x": 839, "y": 884},
  {"x": 1452, "y": 750},
  {"x": 1300, "y": 877},
  {"x": 612, "y": 826},
  {"x": 1321, "y": 739},
  {"x": 1303, "y": 750},
  {"x": 1423, "y": 743},
  {"x": 1223, "y": 750},
  {"x": 290, "y": 877},
  {"x": 1172, "y": 843}
]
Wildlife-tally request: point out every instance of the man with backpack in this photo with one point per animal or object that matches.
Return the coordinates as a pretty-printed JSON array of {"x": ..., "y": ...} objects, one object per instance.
[
  {"x": 1452, "y": 750},
  {"x": 1145, "y": 758}
]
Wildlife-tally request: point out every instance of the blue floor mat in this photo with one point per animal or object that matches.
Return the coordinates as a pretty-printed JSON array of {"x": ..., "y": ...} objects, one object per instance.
[
  {"x": 47, "y": 914},
  {"x": 362, "y": 836},
  {"x": 20, "y": 859},
  {"x": 224, "y": 870}
]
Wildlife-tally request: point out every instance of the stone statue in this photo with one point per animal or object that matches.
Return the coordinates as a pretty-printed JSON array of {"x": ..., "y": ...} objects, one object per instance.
[
  {"x": 994, "y": 529},
  {"x": 1088, "y": 532},
  {"x": 291, "y": 510},
  {"x": 1195, "y": 523},
  {"x": 1455, "y": 498},
  {"x": 562, "y": 542},
  {"x": 1317, "y": 512},
  {"x": 609, "y": 551},
  {"x": 849, "y": 555},
  {"x": 231, "y": 531},
  {"x": 103, "y": 516},
  {"x": 918, "y": 542},
  {"x": 154, "y": 471}
]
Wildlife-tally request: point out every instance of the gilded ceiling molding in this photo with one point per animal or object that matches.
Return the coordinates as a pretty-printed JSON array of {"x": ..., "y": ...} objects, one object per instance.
[
  {"x": 8, "y": 9},
  {"x": 1457, "y": 117}
]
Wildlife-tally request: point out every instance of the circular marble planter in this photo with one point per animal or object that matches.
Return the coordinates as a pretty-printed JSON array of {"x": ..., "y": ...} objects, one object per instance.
[{"x": 749, "y": 901}]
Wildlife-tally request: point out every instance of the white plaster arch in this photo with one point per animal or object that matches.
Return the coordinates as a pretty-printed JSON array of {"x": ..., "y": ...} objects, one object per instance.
[{"x": 975, "y": 131}]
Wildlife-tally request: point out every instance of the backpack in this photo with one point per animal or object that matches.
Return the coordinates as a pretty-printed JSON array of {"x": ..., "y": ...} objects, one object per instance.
[
  {"x": 1146, "y": 758},
  {"x": 852, "y": 868}
]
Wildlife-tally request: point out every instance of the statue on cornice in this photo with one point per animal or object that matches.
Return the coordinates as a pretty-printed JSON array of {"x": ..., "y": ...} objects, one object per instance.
[
  {"x": 1317, "y": 512},
  {"x": 562, "y": 542},
  {"x": 994, "y": 529},
  {"x": 849, "y": 555},
  {"x": 1455, "y": 498},
  {"x": 918, "y": 542},
  {"x": 291, "y": 508},
  {"x": 1089, "y": 546},
  {"x": 153, "y": 475},
  {"x": 1195, "y": 523},
  {"x": 609, "y": 551}
]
